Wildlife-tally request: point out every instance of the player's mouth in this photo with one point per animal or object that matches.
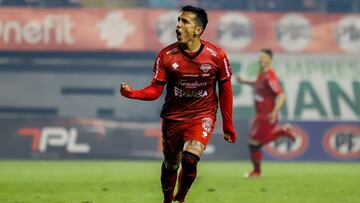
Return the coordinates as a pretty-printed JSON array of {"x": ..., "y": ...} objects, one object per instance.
[
  {"x": 262, "y": 64},
  {"x": 178, "y": 34}
]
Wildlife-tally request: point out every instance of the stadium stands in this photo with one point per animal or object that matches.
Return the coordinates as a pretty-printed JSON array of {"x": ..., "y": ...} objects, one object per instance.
[
  {"x": 331, "y": 6},
  {"x": 41, "y": 3}
]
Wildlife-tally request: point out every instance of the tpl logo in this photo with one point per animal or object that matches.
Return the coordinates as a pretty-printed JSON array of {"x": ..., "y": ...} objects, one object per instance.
[{"x": 56, "y": 137}]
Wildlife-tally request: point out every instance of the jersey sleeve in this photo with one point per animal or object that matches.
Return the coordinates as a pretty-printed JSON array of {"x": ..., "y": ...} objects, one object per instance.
[
  {"x": 224, "y": 72},
  {"x": 274, "y": 84},
  {"x": 159, "y": 73}
]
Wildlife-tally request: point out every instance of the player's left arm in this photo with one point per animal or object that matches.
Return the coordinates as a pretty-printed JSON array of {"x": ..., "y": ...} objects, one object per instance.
[
  {"x": 279, "y": 100},
  {"x": 226, "y": 105},
  {"x": 226, "y": 98}
]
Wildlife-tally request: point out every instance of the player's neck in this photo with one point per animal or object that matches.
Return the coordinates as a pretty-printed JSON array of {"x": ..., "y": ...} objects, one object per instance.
[
  {"x": 265, "y": 69},
  {"x": 191, "y": 46}
]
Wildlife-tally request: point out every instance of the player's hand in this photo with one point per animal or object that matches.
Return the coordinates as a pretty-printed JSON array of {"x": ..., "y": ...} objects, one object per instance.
[
  {"x": 229, "y": 131},
  {"x": 239, "y": 79},
  {"x": 273, "y": 117},
  {"x": 230, "y": 134},
  {"x": 125, "y": 89},
  {"x": 230, "y": 137}
]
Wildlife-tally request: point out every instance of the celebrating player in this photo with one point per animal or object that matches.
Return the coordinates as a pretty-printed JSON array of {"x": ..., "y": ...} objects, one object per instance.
[
  {"x": 269, "y": 98},
  {"x": 190, "y": 68}
]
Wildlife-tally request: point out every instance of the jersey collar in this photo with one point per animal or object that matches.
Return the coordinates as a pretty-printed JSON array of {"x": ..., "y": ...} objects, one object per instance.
[{"x": 191, "y": 57}]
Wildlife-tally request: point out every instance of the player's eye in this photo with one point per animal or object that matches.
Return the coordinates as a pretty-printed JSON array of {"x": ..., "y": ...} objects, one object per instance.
[{"x": 183, "y": 20}]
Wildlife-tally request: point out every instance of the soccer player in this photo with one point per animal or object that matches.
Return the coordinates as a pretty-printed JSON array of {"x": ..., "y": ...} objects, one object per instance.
[
  {"x": 269, "y": 98},
  {"x": 190, "y": 68}
]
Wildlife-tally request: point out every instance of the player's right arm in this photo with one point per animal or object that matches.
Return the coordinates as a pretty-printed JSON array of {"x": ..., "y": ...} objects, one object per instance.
[
  {"x": 239, "y": 79},
  {"x": 154, "y": 90},
  {"x": 148, "y": 93}
]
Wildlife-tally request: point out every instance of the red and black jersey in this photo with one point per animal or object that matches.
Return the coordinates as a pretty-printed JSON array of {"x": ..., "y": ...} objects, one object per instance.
[{"x": 191, "y": 80}]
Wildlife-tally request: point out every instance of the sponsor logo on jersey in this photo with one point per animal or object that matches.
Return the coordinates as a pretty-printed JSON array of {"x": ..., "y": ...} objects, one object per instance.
[
  {"x": 207, "y": 124},
  {"x": 205, "y": 67},
  {"x": 234, "y": 31},
  {"x": 174, "y": 50},
  {"x": 191, "y": 75},
  {"x": 192, "y": 85},
  {"x": 214, "y": 53},
  {"x": 294, "y": 32},
  {"x": 114, "y": 29},
  {"x": 175, "y": 66},
  {"x": 193, "y": 94},
  {"x": 348, "y": 33},
  {"x": 205, "y": 74},
  {"x": 157, "y": 63},
  {"x": 283, "y": 148},
  {"x": 259, "y": 98},
  {"x": 226, "y": 67},
  {"x": 343, "y": 141}
]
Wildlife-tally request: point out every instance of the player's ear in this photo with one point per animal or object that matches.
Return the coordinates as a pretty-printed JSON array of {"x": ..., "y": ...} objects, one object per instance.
[{"x": 198, "y": 30}]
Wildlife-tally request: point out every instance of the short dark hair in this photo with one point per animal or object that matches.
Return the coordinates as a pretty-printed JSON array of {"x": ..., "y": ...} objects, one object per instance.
[
  {"x": 200, "y": 13},
  {"x": 267, "y": 51}
]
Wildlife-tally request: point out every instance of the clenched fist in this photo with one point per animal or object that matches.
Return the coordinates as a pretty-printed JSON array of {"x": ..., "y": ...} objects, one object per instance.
[{"x": 125, "y": 89}]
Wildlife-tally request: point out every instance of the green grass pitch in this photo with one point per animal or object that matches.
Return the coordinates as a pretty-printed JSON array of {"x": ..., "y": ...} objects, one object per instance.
[{"x": 139, "y": 182}]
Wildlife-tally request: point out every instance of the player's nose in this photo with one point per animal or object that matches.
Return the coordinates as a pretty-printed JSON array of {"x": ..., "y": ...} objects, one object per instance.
[{"x": 178, "y": 24}]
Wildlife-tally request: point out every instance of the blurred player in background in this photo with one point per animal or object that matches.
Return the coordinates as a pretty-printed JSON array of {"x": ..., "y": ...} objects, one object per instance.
[
  {"x": 191, "y": 68},
  {"x": 269, "y": 99}
]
